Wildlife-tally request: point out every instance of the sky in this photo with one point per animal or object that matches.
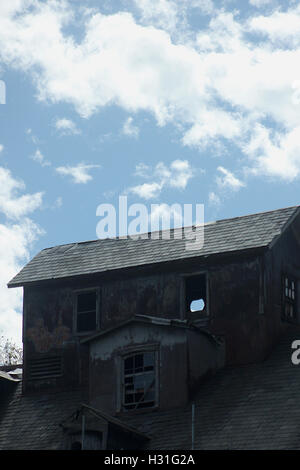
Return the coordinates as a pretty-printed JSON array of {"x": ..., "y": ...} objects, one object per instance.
[{"x": 164, "y": 101}]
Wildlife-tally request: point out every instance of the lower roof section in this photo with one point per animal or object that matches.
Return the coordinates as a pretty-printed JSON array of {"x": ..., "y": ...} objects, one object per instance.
[{"x": 249, "y": 407}]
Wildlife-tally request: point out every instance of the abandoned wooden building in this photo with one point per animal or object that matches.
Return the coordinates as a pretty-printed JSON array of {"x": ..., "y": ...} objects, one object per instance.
[{"x": 125, "y": 340}]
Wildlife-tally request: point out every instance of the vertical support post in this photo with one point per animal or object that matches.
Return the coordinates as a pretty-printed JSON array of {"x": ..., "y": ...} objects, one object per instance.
[
  {"x": 193, "y": 426},
  {"x": 82, "y": 431}
]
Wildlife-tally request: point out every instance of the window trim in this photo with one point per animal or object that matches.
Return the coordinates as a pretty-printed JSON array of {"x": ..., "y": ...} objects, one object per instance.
[
  {"x": 138, "y": 349},
  {"x": 77, "y": 292}
]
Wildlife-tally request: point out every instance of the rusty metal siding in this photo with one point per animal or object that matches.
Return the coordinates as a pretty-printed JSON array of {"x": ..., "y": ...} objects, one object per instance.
[
  {"x": 244, "y": 297},
  {"x": 233, "y": 289},
  {"x": 184, "y": 356}
]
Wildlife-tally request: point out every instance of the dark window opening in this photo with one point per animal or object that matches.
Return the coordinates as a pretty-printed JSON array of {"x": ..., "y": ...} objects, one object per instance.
[
  {"x": 139, "y": 381},
  {"x": 45, "y": 367},
  {"x": 86, "y": 311},
  {"x": 289, "y": 298},
  {"x": 195, "y": 293}
]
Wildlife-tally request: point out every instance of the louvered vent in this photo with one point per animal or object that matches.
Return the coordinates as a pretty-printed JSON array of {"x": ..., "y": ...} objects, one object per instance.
[{"x": 45, "y": 368}]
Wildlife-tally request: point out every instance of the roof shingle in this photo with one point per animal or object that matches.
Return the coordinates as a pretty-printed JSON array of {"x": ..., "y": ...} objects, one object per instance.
[
  {"x": 253, "y": 406},
  {"x": 228, "y": 235}
]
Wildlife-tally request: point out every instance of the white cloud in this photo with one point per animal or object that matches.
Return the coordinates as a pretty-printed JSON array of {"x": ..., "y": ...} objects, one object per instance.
[
  {"x": 211, "y": 125},
  {"x": 118, "y": 61},
  {"x": 205, "y": 6},
  {"x": 181, "y": 173},
  {"x": 260, "y": 3},
  {"x": 1, "y": 148},
  {"x": 280, "y": 26},
  {"x": 275, "y": 154},
  {"x": 214, "y": 199},
  {"x": 16, "y": 239},
  {"x": 171, "y": 15},
  {"x": 12, "y": 204},
  {"x": 142, "y": 170},
  {"x": 228, "y": 180},
  {"x": 227, "y": 183},
  {"x": 15, "y": 242},
  {"x": 147, "y": 190},
  {"x": 177, "y": 175},
  {"x": 130, "y": 129},
  {"x": 79, "y": 173},
  {"x": 161, "y": 13},
  {"x": 39, "y": 158},
  {"x": 66, "y": 127},
  {"x": 217, "y": 88},
  {"x": 167, "y": 212}
]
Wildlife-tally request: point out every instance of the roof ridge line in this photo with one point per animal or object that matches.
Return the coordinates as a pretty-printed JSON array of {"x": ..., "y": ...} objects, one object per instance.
[{"x": 125, "y": 237}]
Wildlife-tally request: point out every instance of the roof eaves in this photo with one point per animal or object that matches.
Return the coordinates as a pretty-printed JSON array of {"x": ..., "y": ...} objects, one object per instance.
[
  {"x": 115, "y": 421},
  {"x": 145, "y": 319},
  {"x": 239, "y": 252}
]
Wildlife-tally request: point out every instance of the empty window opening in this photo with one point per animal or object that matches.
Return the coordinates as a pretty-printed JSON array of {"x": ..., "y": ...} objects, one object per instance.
[
  {"x": 45, "y": 368},
  {"x": 139, "y": 381},
  {"x": 86, "y": 311},
  {"x": 289, "y": 296},
  {"x": 195, "y": 293}
]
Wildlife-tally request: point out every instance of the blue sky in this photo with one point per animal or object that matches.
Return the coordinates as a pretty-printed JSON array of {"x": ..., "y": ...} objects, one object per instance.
[{"x": 165, "y": 101}]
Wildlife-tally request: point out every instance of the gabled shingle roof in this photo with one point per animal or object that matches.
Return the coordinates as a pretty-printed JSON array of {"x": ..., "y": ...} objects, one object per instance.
[{"x": 224, "y": 236}]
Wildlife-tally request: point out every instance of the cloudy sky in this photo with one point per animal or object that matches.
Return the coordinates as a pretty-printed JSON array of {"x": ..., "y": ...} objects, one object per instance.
[{"x": 165, "y": 101}]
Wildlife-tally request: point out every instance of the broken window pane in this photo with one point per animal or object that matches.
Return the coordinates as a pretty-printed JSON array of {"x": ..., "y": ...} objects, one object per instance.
[
  {"x": 139, "y": 381},
  {"x": 128, "y": 365}
]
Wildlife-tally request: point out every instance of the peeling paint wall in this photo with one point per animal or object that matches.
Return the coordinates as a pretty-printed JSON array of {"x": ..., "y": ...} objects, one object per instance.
[
  {"x": 234, "y": 306},
  {"x": 49, "y": 312},
  {"x": 184, "y": 358}
]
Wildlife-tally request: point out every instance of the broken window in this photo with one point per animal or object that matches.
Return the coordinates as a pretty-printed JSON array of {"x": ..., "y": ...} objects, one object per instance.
[
  {"x": 289, "y": 298},
  {"x": 195, "y": 293},
  {"x": 139, "y": 380},
  {"x": 86, "y": 311}
]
